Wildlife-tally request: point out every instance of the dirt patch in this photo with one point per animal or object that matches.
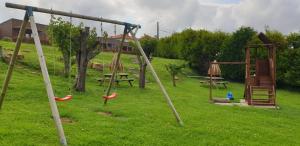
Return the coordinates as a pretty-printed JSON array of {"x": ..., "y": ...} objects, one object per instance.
[
  {"x": 66, "y": 120},
  {"x": 105, "y": 113}
]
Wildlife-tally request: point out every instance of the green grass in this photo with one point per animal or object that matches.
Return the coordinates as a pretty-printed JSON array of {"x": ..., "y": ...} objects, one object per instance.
[{"x": 139, "y": 116}]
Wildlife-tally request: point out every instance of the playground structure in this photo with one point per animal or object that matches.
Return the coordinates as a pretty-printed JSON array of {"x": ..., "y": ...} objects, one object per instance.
[
  {"x": 29, "y": 17},
  {"x": 260, "y": 86},
  {"x": 260, "y": 74}
]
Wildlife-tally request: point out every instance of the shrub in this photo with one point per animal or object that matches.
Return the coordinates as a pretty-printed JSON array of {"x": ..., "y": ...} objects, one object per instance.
[{"x": 234, "y": 50}]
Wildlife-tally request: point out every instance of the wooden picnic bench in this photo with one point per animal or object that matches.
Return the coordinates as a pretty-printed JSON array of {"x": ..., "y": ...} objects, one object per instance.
[
  {"x": 121, "y": 75},
  {"x": 123, "y": 78},
  {"x": 117, "y": 81},
  {"x": 215, "y": 81}
]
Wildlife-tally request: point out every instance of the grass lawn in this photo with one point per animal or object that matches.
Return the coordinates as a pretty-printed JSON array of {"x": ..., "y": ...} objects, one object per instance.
[{"x": 137, "y": 116}]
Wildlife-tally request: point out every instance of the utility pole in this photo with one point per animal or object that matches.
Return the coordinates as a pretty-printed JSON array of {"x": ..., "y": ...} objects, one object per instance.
[
  {"x": 115, "y": 31},
  {"x": 101, "y": 30},
  {"x": 157, "y": 30}
]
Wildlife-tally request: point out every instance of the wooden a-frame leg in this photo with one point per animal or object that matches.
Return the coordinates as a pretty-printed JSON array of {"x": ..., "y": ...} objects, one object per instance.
[
  {"x": 116, "y": 64},
  {"x": 47, "y": 82},
  {"x": 13, "y": 59}
]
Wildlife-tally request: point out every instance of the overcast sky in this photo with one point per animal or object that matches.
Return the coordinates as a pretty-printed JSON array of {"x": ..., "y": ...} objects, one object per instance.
[{"x": 174, "y": 15}]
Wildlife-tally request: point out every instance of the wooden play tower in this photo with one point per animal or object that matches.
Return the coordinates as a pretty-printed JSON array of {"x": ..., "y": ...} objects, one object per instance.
[
  {"x": 260, "y": 83},
  {"x": 260, "y": 74}
]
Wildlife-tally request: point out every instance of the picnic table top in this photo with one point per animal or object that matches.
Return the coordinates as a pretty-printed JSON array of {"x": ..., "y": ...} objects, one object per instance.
[
  {"x": 214, "y": 78},
  {"x": 119, "y": 74}
]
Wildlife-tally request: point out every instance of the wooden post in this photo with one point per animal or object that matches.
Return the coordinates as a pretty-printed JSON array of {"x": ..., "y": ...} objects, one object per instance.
[
  {"x": 13, "y": 59},
  {"x": 54, "y": 110},
  {"x": 162, "y": 88},
  {"x": 210, "y": 83},
  {"x": 1, "y": 53},
  {"x": 274, "y": 73},
  {"x": 116, "y": 64},
  {"x": 248, "y": 76}
]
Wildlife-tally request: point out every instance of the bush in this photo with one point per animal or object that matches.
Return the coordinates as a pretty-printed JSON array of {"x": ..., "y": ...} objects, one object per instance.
[
  {"x": 291, "y": 58},
  {"x": 168, "y": 47},
  {"x": 199, "y": 47},
  {"x": 234, "y": 50}
]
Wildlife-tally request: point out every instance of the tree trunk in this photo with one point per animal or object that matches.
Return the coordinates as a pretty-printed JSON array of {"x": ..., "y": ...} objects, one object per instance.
[
  {"x": 81, "y": 75},
  {"x": 83, "y": 56},
  {"x": 1, "y": 54},
  {"x": 174, "y": 80},
  {"x": 142, "y": 81}
]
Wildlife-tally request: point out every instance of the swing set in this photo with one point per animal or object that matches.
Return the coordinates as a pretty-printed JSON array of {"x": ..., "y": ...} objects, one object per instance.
[{"x": 29, "y": 17}]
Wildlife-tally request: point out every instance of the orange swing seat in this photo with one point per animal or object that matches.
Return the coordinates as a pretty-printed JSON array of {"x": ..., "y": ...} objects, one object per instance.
[
  {"x": 113, "y": 95},
  {"x": 66, "y": 98}
]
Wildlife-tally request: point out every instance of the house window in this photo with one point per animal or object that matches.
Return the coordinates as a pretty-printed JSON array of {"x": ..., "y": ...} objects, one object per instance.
[{"x": 27, "y": 35}]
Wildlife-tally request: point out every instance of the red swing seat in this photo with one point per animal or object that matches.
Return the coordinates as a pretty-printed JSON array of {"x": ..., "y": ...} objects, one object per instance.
[
  {"x": 66, "y": 98},
  {"x": 112, "y": 96}
]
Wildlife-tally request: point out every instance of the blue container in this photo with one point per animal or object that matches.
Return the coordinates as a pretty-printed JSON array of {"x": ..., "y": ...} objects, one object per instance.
[{"x": 229, "y": 95}]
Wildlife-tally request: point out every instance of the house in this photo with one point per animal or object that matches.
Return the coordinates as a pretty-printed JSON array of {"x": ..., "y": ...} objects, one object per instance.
[
  {"x": 112, "y": 43},
  {"x": 10, "y": 29}
]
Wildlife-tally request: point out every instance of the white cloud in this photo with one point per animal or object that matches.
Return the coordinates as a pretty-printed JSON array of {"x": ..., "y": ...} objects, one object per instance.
[{"x": 176, "y": 15}]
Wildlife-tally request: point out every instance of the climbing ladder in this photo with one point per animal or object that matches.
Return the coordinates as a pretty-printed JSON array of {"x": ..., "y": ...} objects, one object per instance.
[
  {"x": 261, "y": 89},
  {"x": 262, "y": 95}
]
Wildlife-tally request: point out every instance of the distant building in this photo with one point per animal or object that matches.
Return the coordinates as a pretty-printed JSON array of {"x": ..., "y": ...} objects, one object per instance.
[
  {"x": 10, "y": 29},
  {"x": 112, "y": 43}
]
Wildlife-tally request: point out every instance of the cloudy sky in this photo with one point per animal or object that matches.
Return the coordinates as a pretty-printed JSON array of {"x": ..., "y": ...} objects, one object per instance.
[{"x": 174, "y": 15}]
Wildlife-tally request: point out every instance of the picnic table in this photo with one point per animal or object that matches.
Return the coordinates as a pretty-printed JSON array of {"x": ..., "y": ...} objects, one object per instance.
[
  {"x": 121, "y": 75},
  {"x": 120, "y": 78},
  {"x": 215, "y": 81}
]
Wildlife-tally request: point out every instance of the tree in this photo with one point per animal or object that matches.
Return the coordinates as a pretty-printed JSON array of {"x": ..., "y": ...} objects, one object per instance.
[
  {"x": 105, "y": 37},
  {"x": 201, "y": 47},
  {"x": 89, "y": 48},
  {"x": 289, "y": 61},
  {"x": 281, "y": 44},
  {"x": 174, "y": 70},
  {"x": 65, "y": 35},
  {"x": 234, "y": 50},
  {"x": 168, "y": 47}
]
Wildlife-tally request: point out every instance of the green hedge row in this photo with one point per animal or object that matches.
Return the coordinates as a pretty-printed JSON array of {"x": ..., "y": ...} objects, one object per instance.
[{"x": 199, "y": 47}]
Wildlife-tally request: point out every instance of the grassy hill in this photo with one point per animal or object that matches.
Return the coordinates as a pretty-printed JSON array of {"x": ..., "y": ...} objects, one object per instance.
[{"x": 137, "y": 116}]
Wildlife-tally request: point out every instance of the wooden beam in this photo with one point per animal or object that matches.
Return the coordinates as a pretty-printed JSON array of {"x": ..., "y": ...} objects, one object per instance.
[{"x": 62, "y": 13}]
